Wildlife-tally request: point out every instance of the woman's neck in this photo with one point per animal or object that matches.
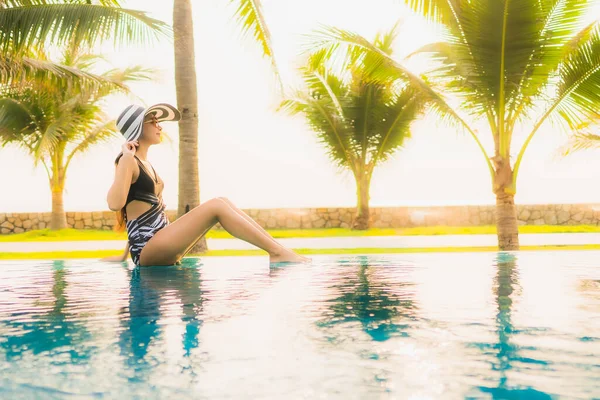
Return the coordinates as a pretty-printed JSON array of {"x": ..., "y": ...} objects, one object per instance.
[{"x": 142, "y": 152}]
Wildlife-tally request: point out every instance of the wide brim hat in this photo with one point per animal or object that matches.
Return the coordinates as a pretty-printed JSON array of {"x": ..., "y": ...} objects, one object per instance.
[{"x": 131, "y": 120}]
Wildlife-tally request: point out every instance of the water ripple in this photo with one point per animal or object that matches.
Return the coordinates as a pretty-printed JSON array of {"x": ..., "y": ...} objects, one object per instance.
[{"x": 427, "y": 326}]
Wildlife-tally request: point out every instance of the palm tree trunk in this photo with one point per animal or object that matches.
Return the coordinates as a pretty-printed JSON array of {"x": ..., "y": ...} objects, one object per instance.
[
  {"x": 506, "y": 211},
  {"x": 187, "y": 101},
  {"x": 362, "y": 220},
  {"x": 506, "y": 222},
  {"x": 58, "y": 219}
]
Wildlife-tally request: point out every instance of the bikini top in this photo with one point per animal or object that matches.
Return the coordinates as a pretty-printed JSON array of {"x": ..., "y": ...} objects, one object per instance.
[{"x": 144, "y": 188}]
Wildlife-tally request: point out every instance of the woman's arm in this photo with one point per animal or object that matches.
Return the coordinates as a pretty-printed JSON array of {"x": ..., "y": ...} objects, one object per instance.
[
  {"x": 117, "y": 194},
  {"x": 119, "y": 258}
]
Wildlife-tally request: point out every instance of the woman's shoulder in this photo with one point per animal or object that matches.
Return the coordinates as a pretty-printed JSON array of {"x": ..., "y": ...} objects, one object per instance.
[
  {"x": 121, "y": 155},
  {"x": 136, "y": 167}
]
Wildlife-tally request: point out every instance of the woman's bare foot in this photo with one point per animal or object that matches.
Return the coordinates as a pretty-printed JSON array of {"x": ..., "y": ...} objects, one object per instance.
[{"x": 287, "y": 255}]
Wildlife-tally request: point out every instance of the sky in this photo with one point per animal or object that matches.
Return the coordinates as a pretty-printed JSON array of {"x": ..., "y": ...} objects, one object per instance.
[{"x": 261, "y": 158}]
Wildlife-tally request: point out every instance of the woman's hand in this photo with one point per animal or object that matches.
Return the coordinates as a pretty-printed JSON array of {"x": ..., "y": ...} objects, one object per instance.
[
  {"x": 113, "y": 259},
  {"x": 120, "y": 258},
  {"x": 129, "y": 148}
]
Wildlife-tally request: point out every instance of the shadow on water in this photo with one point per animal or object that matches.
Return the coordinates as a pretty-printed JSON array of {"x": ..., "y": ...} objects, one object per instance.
[
  {"x": 152, "y": 290},
  {"x": 50, "y": 331},
  {"x": 367, "y": 295},
  {"x": 506, "y": 288}
]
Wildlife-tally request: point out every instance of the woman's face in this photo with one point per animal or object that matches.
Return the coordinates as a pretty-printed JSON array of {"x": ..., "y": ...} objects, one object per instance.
[{"x": 152, "y": 130}]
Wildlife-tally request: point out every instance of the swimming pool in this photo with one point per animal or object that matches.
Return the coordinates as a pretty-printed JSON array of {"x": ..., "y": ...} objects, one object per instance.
[{"x": 472, "y": 325}]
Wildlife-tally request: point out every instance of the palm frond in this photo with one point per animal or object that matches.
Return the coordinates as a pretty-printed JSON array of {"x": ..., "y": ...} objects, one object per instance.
[
  {"x": 25, "y": 3},
  {"x": 454, "y": 71},
  {"x": 581, "y": 37},
  {"x": 325, "y": 121},
  {"x": 48, "y": 140},
  {"x": 439, "y": 11},
  {"x": 399, "y": 115},
  {"x": 380, "y": 67},
  {"x": 53, "y": 118},
  {"x": 22, "y": 27},
  {"x": 16, "y": 71},
  {"x": 578, "y": 91},
  {"x": 251, "y": 19},
  {"x": 579, "y": 142},
  {"x": 561, "y": 19},
  {"x": 505, "y": 55},
  {"x": 16, "y": 122},
  {"x": 97, "y": 133},
  {"x": 384, "y": 41},
  {"x": 366, "y": 110},
  {"x": 135, "y": 73},
  {"x": 326, "y": 85},
  {"x": 75, "y": 56}
]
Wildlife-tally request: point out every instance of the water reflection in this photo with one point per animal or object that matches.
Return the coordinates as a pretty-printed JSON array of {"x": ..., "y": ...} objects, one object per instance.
[
  {"x": 506, "y": 289},
  {"x": 48, "y": 327},
  {"x": 158, "y": 296},
  {"x": 377, "y": 298},
  {"x": 419, "y": 326}
]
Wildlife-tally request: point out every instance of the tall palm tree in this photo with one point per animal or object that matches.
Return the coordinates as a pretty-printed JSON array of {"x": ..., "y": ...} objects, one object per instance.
[
  {"x": 55, "y": 124},
  {"x": 250, "y": 17},
  {"x": 509, "y": 63},
  {"x": 31, "y": 24},
  {"x": 361, "y": 122},
  {"x": 187, "y": 101}
]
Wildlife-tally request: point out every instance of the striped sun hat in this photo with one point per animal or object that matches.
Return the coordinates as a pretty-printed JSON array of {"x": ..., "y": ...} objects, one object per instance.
[{"x": 131, "y": 120}]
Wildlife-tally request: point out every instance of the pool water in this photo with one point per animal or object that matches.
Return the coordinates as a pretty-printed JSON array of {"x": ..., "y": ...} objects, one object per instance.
[{"x": 428, "y": 326}]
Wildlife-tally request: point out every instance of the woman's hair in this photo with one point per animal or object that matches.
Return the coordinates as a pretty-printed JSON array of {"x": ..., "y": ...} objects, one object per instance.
[{"x": 120, "y": 226}]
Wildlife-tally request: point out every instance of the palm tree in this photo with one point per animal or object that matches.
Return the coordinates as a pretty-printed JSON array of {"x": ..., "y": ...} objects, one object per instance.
[
  {"x": 32, "y": 24},
  {"x": 55, "y": 124},
  {"x": 250, "y": 17},
  {"x": 509, "y": 63},
  {"x": 187, "y": 101},
  {"x": 361, "y": 122},
  {"x": 26, "y": 28}
]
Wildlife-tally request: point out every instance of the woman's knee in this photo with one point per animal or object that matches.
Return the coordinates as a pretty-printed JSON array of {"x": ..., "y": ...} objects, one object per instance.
[
  {"x": 224, "y": 199},
  {"x": 215, "y": 204}
]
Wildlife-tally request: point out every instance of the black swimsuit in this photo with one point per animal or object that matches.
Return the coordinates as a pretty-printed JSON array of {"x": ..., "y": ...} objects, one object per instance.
[{"x": 141, "y": 229}]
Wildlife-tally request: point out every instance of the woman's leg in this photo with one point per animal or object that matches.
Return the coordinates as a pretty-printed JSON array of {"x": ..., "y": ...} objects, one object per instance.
[
  {"x": 246, "y": 216},
  {"x": 170, "y": 244}
]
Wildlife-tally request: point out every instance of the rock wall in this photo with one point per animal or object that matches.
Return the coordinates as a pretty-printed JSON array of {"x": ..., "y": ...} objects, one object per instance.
[{"x": 307, "y": 218}]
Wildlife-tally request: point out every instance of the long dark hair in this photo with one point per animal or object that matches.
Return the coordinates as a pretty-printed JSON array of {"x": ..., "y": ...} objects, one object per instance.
[{"x": 121, "y": 216}]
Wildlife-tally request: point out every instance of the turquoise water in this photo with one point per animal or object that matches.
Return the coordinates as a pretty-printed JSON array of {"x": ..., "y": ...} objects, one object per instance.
[{"x": 478, "y": 325}]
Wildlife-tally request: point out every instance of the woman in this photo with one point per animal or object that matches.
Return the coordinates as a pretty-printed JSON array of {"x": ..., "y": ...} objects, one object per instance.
[{"x": 136, "y": 194}]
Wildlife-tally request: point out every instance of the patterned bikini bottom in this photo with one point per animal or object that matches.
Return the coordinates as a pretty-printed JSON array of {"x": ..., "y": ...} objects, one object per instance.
[{"x": 143, "y": 228}]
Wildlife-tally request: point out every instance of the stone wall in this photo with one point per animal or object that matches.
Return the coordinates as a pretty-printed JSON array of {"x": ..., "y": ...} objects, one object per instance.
[{"x": 306, "y": 218}]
